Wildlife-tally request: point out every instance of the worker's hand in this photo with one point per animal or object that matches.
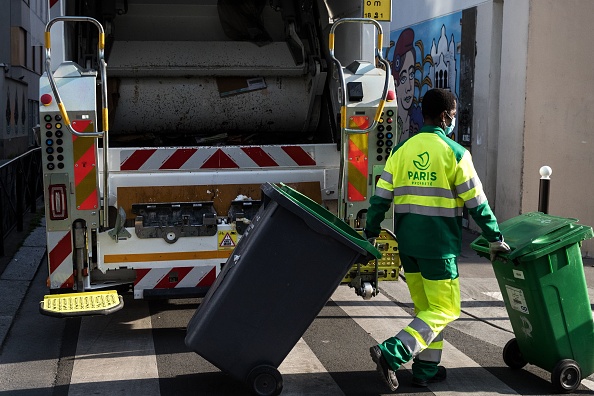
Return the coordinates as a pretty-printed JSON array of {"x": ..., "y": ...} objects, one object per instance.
[
  {"x": 498, "y": 247},
  {"x": 370, "y": 239}
]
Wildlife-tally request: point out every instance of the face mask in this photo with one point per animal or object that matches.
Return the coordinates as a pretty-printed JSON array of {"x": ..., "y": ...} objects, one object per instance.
[{"x": 449, "y": 129}]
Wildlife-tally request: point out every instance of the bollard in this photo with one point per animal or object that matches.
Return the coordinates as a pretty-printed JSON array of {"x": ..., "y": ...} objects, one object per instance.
[{"x": 543, "y": 194}]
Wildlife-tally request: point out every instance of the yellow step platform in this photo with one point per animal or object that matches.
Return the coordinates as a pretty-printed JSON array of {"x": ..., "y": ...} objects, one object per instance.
[{"x": 102, "y": 302}]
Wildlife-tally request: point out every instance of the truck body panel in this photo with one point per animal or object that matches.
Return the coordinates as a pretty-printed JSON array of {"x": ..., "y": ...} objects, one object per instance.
[{"x": 155, "y": 188}]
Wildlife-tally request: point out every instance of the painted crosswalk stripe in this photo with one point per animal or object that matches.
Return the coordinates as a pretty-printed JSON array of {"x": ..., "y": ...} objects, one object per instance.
[
  {"x": 382, "y": 320},
  {"x": 106, "y": 366},
  {"x": 495, "y": 295},
  {"x": 302, "y": 360}
]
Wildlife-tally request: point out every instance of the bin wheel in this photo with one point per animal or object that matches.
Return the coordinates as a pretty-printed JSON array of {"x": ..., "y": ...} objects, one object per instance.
[
  {"x": 512, "y": 356},
  {"x": 566, "y": 376},
  {"x": 265, "y": 380}
]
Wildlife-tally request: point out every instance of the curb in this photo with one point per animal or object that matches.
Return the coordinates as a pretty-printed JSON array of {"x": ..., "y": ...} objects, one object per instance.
[{"x": 18, "y": 275}]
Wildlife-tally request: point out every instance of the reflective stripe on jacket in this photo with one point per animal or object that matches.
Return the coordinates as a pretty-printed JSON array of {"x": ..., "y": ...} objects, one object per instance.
[{"x": 430, "y": 178}]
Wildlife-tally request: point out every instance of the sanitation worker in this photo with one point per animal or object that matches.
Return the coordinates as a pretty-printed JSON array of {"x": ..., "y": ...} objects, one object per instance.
[{"x": 430, "y": 178}]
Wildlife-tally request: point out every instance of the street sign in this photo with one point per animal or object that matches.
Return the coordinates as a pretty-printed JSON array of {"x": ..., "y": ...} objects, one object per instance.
[{"x": 380, "y": 10}]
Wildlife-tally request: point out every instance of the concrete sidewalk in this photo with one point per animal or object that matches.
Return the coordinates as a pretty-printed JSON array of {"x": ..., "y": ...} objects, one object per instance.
[{"x": 17, "y": 276}]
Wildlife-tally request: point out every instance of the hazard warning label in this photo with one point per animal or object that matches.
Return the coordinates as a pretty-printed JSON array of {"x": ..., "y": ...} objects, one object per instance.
[{"x": 227, "y": 240}]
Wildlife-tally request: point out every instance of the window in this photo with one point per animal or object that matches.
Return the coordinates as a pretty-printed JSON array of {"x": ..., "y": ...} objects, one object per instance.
[
  {"x": 37, "y": 59},
  {"x": 18, "y": 47}
]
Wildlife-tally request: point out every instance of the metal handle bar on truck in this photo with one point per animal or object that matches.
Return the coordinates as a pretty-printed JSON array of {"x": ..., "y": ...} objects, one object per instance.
[
  {"x": 102, "y": 71},
  {"x": 379, "y": 56}
]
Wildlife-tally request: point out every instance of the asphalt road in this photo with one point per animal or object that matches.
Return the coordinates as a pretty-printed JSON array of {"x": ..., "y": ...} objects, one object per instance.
[{"x": 140, "y": 350}]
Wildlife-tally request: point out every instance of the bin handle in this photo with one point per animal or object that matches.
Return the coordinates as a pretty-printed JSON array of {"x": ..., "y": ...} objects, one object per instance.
[{"x": 315, "y": 223}]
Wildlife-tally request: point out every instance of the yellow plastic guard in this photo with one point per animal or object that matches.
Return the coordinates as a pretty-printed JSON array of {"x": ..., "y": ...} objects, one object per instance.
[
  {"x": 80, "y": 304},
  {"x": 388, "y": 266}
]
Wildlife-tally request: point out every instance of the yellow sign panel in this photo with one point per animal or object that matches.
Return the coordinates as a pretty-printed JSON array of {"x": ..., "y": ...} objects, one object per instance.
[
  {"x": 380, "y": 10},
  {"x": 227, "y": 240}
]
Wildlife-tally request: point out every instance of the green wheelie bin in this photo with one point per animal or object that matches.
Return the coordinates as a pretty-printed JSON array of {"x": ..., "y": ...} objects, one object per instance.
[{"x": 545, "y": 293}]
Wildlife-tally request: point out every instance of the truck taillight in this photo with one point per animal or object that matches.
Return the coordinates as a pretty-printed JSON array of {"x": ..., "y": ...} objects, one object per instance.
[{"x": 57, "y": 202}]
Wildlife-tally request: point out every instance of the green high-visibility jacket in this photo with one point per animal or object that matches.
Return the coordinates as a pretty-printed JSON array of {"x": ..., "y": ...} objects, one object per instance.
[{"x": 430, "y": 178}]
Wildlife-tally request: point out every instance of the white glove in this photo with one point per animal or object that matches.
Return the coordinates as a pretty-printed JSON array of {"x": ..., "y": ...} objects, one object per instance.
[{"x": 498, "y": 247}]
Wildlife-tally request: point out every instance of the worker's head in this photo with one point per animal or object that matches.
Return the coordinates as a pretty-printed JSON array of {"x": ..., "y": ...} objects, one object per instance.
[{"x": 439, "y": 108}]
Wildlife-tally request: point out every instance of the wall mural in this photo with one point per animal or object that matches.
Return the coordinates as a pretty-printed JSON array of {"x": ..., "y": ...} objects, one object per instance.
[{"x": 422, "y": 57}]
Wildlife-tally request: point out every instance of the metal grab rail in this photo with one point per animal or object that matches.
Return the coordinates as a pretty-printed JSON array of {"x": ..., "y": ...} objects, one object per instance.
[
  {"x": 343, "y": 116},
  {"x": 103, "y": 73},
  {"x": 378, "y": 55}
]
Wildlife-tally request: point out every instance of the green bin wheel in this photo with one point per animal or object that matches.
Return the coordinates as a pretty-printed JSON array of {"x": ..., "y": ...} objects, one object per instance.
[
  {"x": 512, "y": 356},
  {"x": 566, "y": 376},
  {"x": 265, "y": 380}
]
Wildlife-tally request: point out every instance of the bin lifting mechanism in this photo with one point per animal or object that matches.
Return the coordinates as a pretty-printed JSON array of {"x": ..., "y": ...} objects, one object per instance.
[{"x": 365, "y": 278}]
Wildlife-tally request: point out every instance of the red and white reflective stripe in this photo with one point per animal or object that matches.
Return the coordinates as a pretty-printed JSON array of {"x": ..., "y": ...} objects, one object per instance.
[
  {"x": 52, "y": 3},
  {"x": 59, "y": 247},
  {"x": 217, "y": 158},
  {"x": 170, "y": 278}
]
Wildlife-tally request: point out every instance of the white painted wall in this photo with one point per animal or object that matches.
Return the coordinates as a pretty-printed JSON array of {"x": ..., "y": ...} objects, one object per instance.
[
  {"x": 559, "y": 114},
  {"x": 512, "y": 96},
  {"x": 485, "y": 123}
]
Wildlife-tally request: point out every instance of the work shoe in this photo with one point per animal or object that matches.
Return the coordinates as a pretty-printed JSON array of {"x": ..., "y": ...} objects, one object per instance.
[
  {"x": 383, "y": 367},
  {"x": 438, "y": 377}
]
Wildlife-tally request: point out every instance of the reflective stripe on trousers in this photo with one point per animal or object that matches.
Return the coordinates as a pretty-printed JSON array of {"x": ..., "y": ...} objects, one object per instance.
[
  {"x": 437, "y": 303},
  {"x": 433, "y": 351}
]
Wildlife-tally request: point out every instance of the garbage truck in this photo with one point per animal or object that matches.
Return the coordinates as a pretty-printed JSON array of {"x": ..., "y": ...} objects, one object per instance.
[{"x": 159, "y": 122}]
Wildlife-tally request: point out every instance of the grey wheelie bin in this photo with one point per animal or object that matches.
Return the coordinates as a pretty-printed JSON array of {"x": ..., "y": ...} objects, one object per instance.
[
  {"x": 280, "y": 275},
  {"x": 544, "y": 288}
]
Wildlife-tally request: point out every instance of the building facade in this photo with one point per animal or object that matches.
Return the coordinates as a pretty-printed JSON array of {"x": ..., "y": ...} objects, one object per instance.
[
  {"x": 22, "y": 24},
  {"x": 520, "y": 68}
]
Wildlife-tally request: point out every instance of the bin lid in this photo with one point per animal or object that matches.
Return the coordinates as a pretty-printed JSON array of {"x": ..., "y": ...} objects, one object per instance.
[
  {"x": 535, "y": 234},
  {"x": 327, "y": 218}
]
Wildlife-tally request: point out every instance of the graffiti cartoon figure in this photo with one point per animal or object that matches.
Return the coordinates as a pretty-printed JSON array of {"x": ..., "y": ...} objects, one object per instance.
[{"x": 403, "y": 70}]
